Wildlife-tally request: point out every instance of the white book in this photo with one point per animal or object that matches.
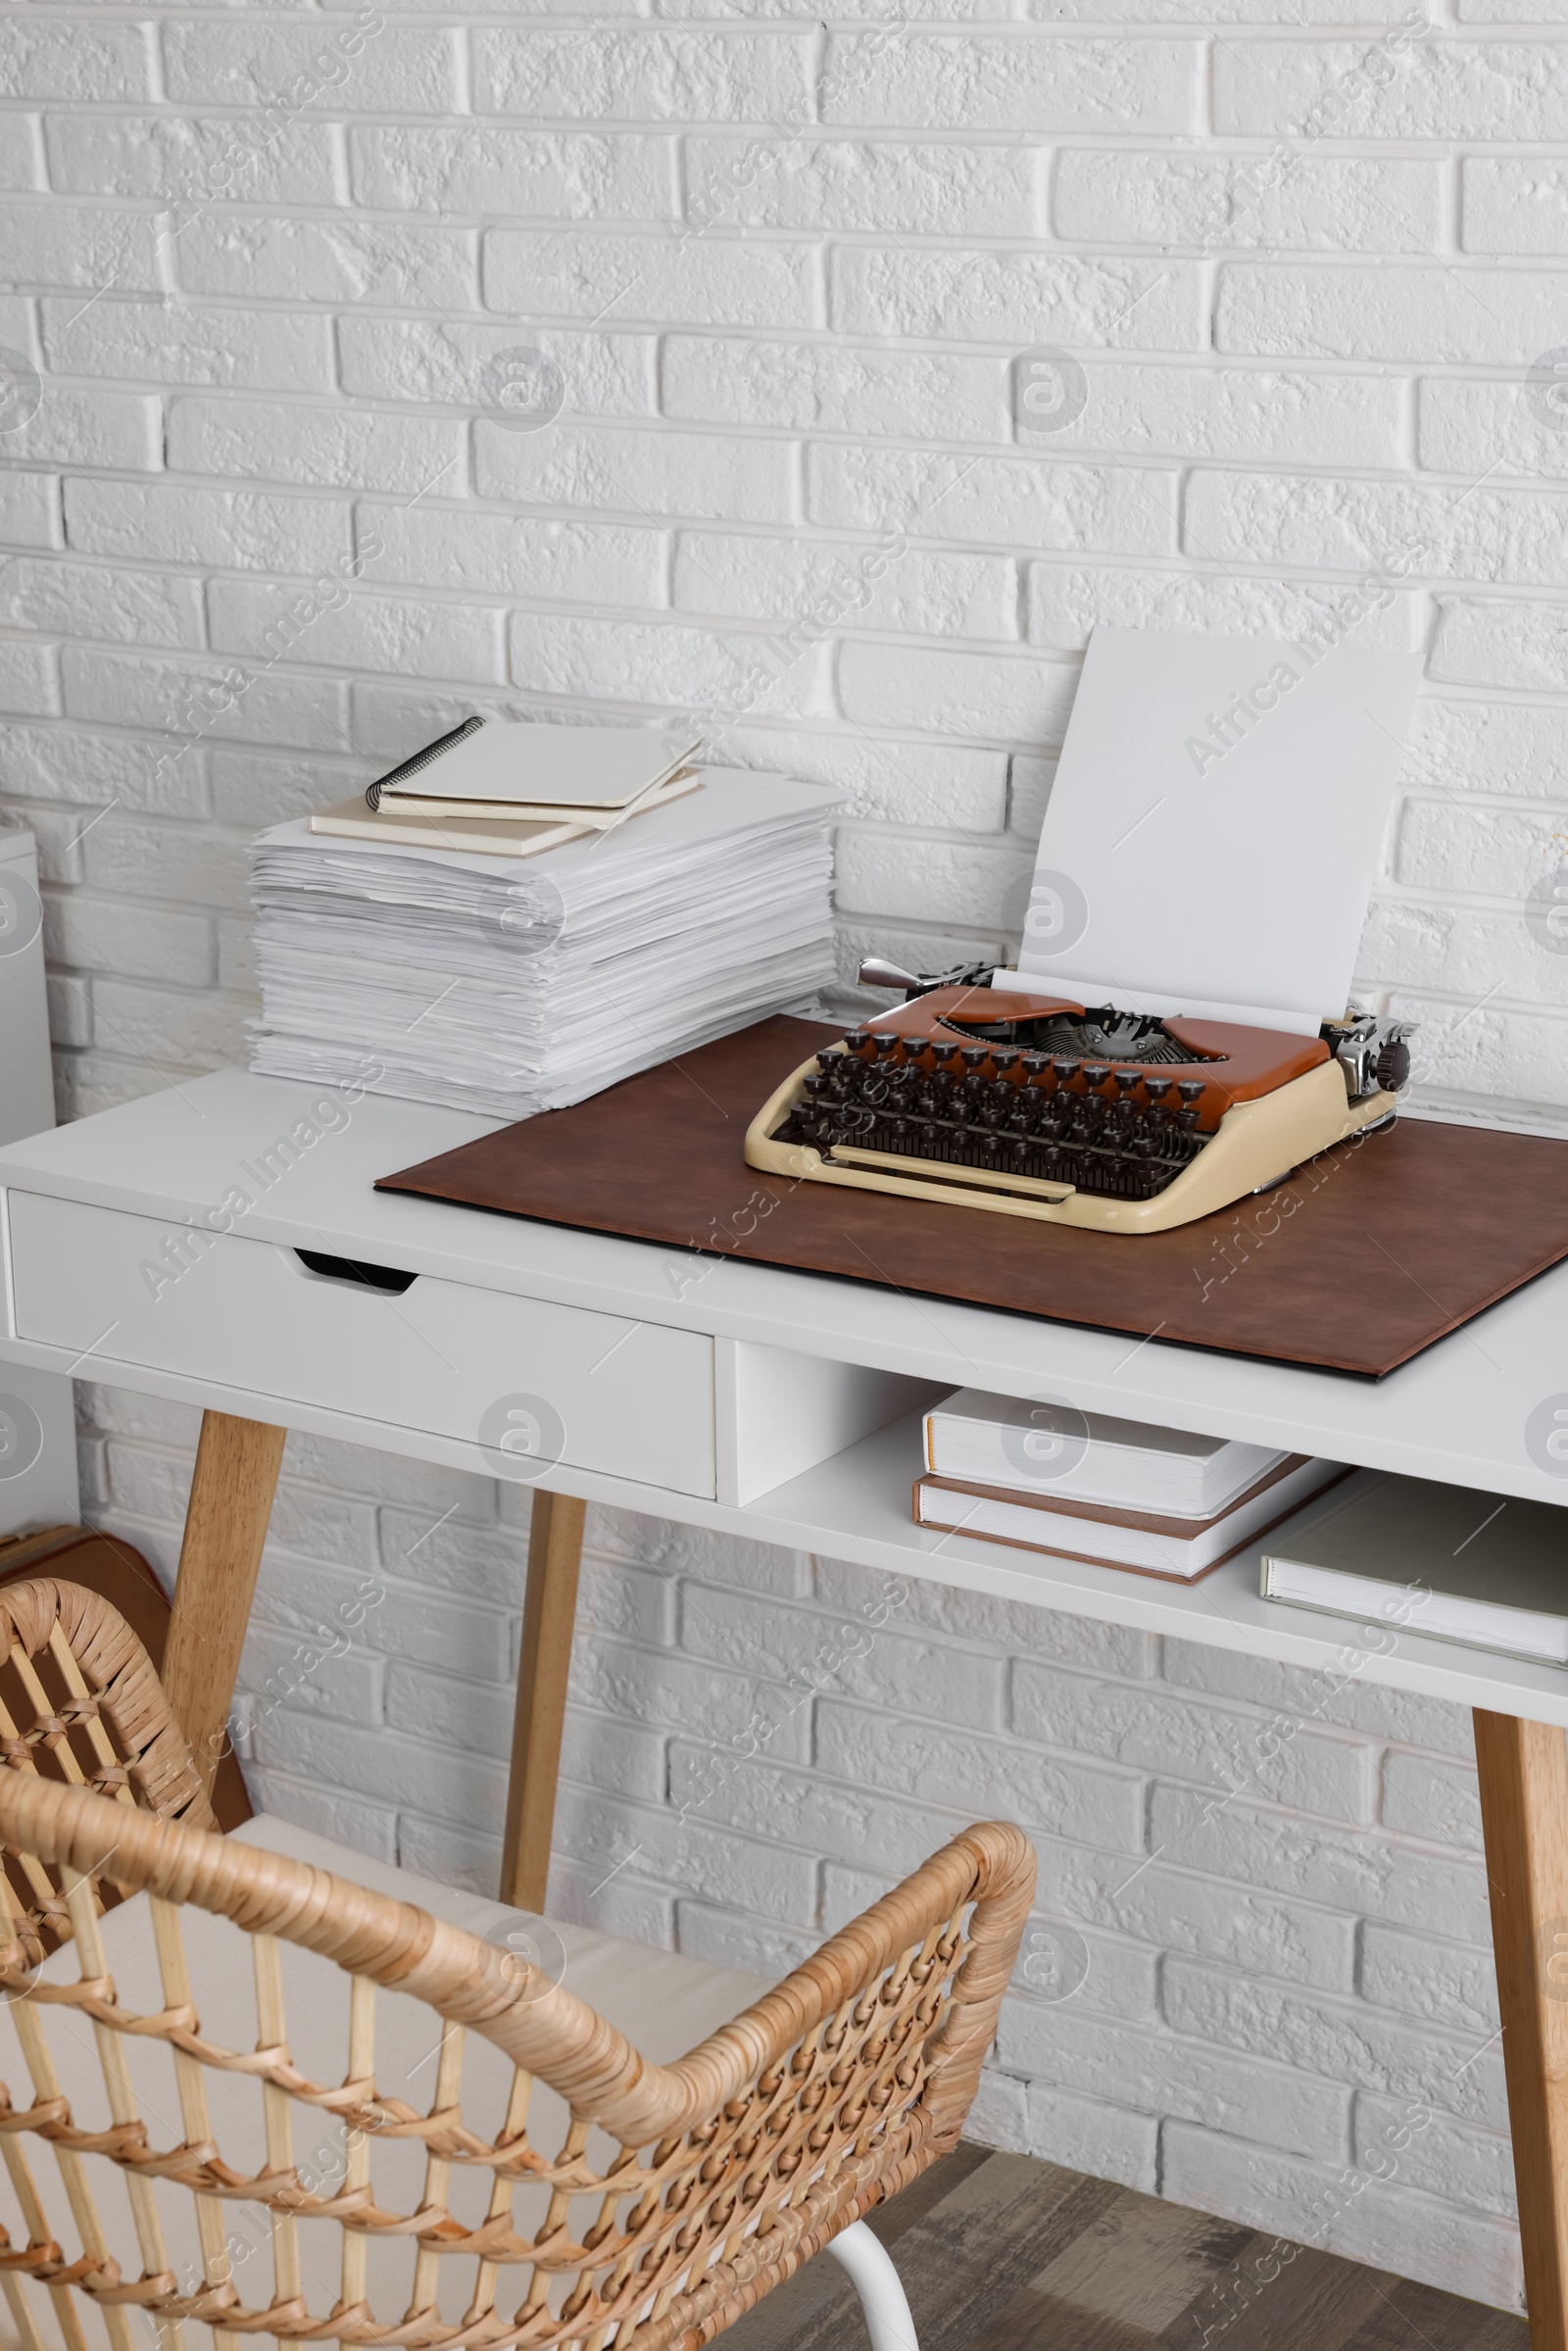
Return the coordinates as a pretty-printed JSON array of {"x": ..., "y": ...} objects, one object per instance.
[
  {"x": 1440, "y": 1560},
  {"x": 1120, "y": 1464},
  {"x": 1181, "y": 1549},
  {"x": 503, "y": 763}
]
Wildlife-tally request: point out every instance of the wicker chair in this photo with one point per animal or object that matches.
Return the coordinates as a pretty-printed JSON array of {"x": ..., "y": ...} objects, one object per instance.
[{"x": 242, "y": 2061}]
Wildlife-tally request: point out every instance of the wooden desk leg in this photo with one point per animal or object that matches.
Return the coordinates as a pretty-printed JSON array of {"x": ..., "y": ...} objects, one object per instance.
[
  {"x": 225, "y": 1526},
  {"x": 1524, "y": 1812},
  {"x": 555, "y": 1554}
]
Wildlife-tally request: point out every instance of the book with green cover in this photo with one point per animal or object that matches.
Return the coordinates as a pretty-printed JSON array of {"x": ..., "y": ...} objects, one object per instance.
[{"x": 1440, "y": 1560}]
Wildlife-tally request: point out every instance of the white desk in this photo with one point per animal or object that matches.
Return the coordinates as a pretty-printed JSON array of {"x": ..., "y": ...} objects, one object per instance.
[{"x": 741, "y": 1397}]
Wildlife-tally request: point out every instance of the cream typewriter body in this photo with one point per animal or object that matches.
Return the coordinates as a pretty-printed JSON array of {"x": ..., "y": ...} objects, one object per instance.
[{"x": 1031, "y": 1105}]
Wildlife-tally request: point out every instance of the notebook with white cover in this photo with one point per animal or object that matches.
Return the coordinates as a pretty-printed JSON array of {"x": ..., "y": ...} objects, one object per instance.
[
  {"x": 1215, "y": 827},
  {"x": 1178, "y": 1550},
  {"x": 503, "y": 761},
  {"x": 1434, "y": 1559},
  {"x": 1049, "y": 1448}
]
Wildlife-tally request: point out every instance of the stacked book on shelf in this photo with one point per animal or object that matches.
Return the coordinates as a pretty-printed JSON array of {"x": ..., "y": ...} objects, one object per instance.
[
  {"x": 510, "y": 979},
  {"x": 1045, "y": 1476},
  {"x": 1444, "y": 1561}
]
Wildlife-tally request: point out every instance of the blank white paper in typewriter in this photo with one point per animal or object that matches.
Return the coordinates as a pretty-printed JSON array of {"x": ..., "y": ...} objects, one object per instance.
[{"x": 1215, "y": 824}]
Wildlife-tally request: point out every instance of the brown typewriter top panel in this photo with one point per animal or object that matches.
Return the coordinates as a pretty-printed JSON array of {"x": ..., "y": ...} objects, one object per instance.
[{"x": 1240, "y": 1063}]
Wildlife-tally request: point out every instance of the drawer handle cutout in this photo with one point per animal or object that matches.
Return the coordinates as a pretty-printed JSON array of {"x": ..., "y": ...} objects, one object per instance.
[{"x": 389, "y": 1278}]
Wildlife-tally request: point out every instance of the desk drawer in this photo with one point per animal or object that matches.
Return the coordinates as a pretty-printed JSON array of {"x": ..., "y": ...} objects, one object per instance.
[{"x": 634, "y": 1399}]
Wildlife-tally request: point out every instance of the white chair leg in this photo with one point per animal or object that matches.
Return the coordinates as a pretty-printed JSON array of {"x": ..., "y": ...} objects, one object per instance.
[{"x": 877, "y": 2283}]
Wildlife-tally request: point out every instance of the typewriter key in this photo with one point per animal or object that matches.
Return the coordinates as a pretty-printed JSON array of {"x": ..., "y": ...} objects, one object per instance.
[
  {"x": 1156, "y": 1089},
  {"x": 975, "y": 1056},
  {"x": 1127, "y": 1080},
  {"x": 1192, "y": 1091},
  {"x": 1095, "y": 1073},
  {"x": 886, "y": 1040},
  {"x": 1066, "y": 1070}
]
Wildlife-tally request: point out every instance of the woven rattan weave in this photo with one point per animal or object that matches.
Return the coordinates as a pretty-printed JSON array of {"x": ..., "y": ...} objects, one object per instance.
[{"x": 673, "y": 2199}]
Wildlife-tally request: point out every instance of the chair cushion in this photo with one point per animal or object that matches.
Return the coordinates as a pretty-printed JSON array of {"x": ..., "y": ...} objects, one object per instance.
[{"x": 664, "y": 2003}]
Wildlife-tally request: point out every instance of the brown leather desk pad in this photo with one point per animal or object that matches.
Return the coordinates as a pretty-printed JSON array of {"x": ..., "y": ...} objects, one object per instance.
[{"x": 1366, "y": 1256}]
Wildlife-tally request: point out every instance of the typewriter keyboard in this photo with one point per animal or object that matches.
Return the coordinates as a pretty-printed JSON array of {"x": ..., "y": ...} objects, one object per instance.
[{"x": 1126, "y": 1131}]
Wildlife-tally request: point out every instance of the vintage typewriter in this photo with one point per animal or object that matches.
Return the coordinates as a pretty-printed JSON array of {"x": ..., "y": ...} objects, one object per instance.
[
  {"x": 1198, "y": 901},
  {"x": 1032, "y": 1105}
]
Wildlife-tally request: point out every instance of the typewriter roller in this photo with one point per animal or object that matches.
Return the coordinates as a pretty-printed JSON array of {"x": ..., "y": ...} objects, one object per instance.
[{"x": 1032, "y": 1105}]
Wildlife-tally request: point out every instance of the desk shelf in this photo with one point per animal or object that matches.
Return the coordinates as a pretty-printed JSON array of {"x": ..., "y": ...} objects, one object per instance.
[{"x": 856, "y": 1506}]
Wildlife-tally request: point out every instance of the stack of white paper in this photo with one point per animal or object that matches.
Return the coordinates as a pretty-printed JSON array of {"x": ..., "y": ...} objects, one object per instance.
[{"x": 506, "y": 988}]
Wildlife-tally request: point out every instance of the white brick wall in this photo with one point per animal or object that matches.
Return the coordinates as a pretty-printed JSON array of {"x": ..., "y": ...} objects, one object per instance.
[{"x": 1306, "y": 258}]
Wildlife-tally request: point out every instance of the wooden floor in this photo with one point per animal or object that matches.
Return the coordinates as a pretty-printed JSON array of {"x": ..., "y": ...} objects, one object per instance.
[{"x": 1002, "y": 2253}]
